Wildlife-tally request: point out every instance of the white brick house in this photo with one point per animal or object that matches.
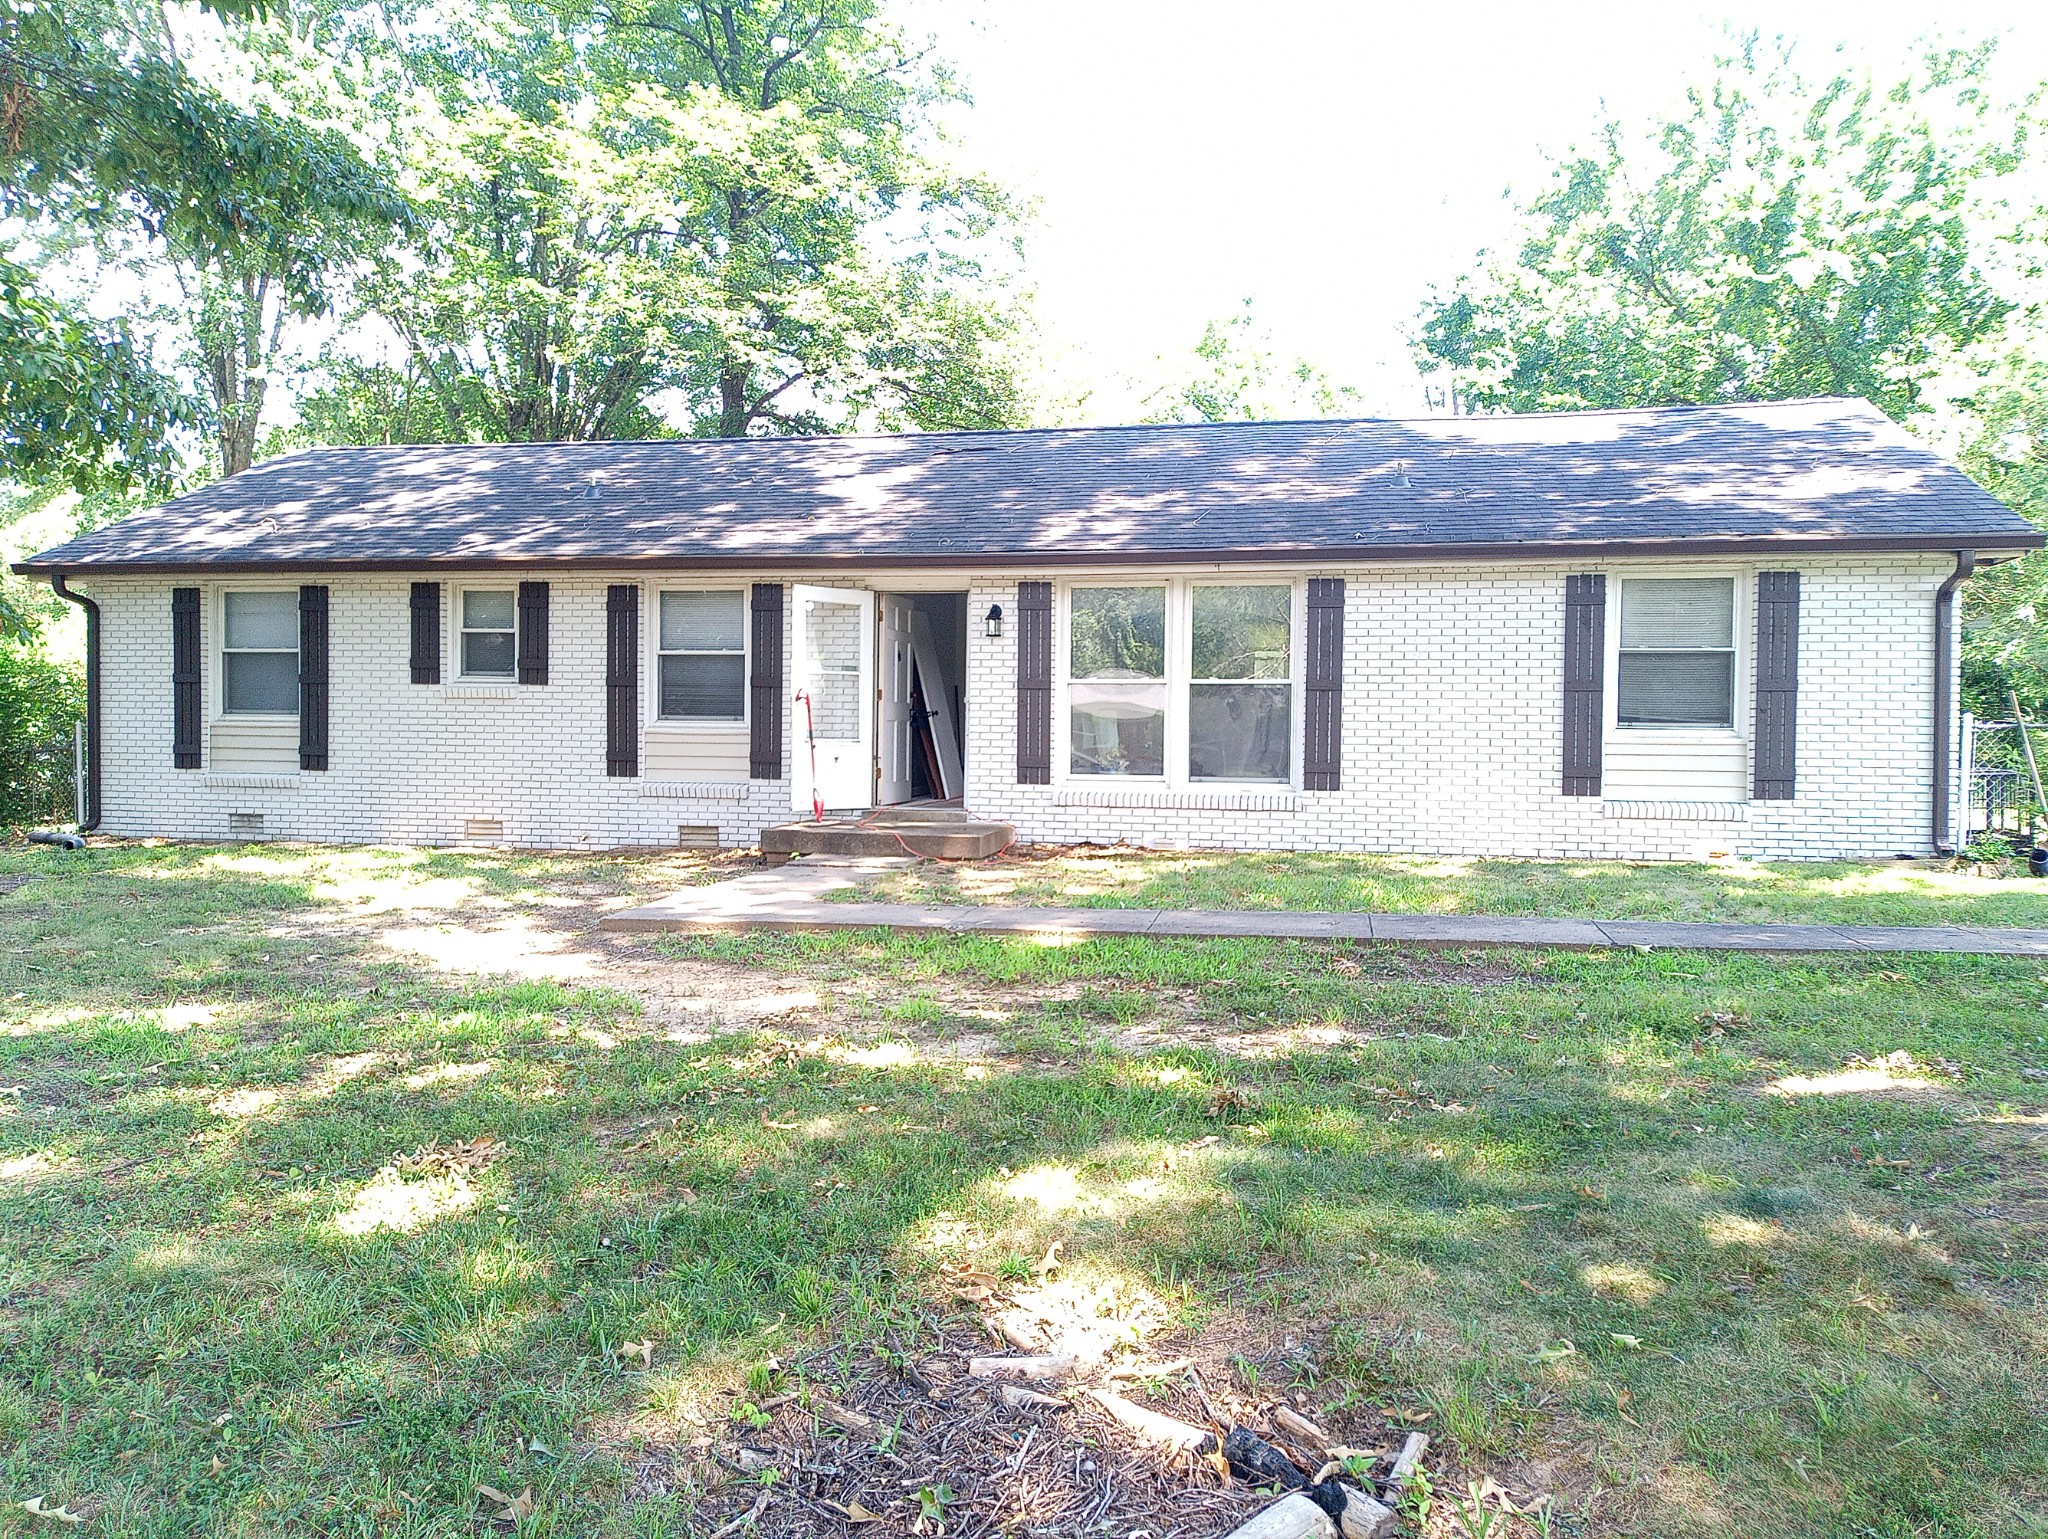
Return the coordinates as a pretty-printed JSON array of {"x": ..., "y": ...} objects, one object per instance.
[{"x": 1635, "y": 635}]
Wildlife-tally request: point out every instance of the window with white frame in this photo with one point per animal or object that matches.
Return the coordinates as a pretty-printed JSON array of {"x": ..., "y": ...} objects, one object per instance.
[
  {"x": 1240, "y": 682},
  {"x": 489, "y": 633},
  {"x": 1677, "y": 654},
  {"x": 1116, "y": 681},
  {"x": 1182, "y": 681},
  {"x": 259, "y": 658},
  {"x": 702, "y": 674}
]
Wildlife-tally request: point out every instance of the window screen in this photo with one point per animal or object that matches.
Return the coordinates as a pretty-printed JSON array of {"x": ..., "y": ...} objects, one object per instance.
[
  {"x": 489, "y": 634},
  {"x": 1677, "y": 662},
  {"x": 259, "y": 670},
  {"x": 703, "y": 656}
]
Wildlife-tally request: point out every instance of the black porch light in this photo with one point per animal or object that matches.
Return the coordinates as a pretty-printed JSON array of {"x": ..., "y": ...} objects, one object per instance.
[{"x": 994, "y": 622}]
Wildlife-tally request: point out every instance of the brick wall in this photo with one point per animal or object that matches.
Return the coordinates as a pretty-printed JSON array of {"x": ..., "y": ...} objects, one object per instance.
[
  {"x": 1453, "y": 731},
  {"x": 1452, "y": 734},
  {"x": 410, "y": 763}
]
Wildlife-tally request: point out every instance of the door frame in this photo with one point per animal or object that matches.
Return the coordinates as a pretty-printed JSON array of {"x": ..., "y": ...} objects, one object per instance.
[{"x": 850, "y": 763}]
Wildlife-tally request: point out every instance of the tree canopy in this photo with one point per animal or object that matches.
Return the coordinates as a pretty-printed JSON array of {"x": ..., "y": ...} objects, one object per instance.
[
  {"x": 728, "y": 217},
  {"x": 108, "y": 135},
  {"x": 1777, "y": 237},
  {"x": 1780, "y": 236}
]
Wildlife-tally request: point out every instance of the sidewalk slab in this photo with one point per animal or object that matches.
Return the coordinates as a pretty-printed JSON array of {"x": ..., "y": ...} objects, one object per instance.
[
  {"x": 1193, "y": 923},
  {"x": 1956, "y": 939},
  {"x": 1486, "y": 930},
  {"x": 1687, "y": 935},
  {"x": 789, "y": 898}
]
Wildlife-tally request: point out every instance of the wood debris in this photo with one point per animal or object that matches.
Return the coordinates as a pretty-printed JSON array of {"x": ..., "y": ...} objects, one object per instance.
[{"x": 935, "y": 1436}]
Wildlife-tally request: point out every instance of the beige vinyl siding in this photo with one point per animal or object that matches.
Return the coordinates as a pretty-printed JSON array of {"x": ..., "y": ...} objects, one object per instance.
[
  {"x": 1639, "y": 767},
  {"x": 249, "y": 743},
  {"x": 695, "y": 753}
]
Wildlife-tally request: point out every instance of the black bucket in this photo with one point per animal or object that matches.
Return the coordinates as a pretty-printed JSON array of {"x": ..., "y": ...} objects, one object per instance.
[{"x": 2037, "y": 861}]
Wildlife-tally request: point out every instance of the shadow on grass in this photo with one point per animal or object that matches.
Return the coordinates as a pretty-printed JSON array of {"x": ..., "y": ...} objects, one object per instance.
[
  {"x": 1560, "y": 1219},
  {"x": 1751, "y": 892}
]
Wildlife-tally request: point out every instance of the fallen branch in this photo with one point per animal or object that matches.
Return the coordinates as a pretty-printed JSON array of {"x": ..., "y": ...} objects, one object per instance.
[
  {"x": 1017, "y": 1397},
  {"x": 1160, "y": 1431},
  {"x": 751, "y": 1516},
  {"x": 1358, "y": 1515},
  {"x": 1202, "y": 1394},
  {"x": 1405, "y": 1463},
  {"x": 1300, "y": 1428},
  {"x": 1052, "y": 1365},
  {"x": 1292, "y": 1517}
]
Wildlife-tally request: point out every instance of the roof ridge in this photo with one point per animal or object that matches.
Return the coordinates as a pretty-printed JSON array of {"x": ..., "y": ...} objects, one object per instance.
[{"x": 1671, "y": 409}]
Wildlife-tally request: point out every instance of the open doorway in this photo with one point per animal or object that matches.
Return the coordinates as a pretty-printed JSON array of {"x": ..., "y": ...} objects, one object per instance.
[{"x": 920, "y": 744}]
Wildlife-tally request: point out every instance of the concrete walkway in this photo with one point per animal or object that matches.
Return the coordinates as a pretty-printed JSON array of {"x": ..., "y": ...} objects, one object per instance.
[{"x": 788, "y": 898}]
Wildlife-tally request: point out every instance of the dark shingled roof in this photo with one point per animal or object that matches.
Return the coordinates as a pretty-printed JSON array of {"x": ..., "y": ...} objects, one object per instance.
[{"x": 1832, "y": 474}]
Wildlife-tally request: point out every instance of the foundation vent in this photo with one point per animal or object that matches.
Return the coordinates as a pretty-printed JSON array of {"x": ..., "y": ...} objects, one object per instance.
[
  {"x": 245, "y": 825},
  {"x": 483, "y": 828},
  {"x": 697, "y": 836}
]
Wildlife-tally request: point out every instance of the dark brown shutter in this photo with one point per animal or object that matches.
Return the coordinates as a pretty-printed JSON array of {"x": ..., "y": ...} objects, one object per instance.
[
  {"x": 622, "y": 679},
  {"x": 1034, "y": 683},
  {"x": 1777, "y": 686},
  {"x": 1322, "y": 732},
  {"x": 313, "y": 677},
  {"x": 1585, "y": 655},
  {"x": 185, "y": 678},
  {"x": 533, "y": 633},
  {"x": 764, "y": 728},
  {"x": 426, "y": 633}
]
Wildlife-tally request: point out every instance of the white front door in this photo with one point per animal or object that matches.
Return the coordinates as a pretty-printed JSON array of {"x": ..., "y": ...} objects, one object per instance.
[
  {"x": 894, "y": 782},
  {"x": 831, "y": 717}
]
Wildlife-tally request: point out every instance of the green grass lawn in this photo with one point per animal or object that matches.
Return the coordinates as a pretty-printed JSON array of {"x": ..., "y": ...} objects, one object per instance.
[
  {"x": 305, "y": 1229},
  {"x": 1750, "y": 892}
]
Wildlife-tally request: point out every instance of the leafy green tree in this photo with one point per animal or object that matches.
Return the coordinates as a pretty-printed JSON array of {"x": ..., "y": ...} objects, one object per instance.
[
  {"x": 1234, "y": 375},
  {"x": 80, "y": 400},
  {"x": 1779, "y": 238},
  {"x": 2005, "y": 609},
  {"x": 39, "y": 702},
  {"x": 726, "y": 214},
  {"x": 1776, "y": 238},
  {"x": 105, "y": 130}
]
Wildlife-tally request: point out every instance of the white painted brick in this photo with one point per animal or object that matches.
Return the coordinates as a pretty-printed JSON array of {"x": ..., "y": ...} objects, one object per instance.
[{"x": 1452, "y": 726}]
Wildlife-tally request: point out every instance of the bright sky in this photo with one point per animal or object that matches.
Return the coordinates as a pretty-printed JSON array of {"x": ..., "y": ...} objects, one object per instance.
[{"x": 1328, "y": 160}]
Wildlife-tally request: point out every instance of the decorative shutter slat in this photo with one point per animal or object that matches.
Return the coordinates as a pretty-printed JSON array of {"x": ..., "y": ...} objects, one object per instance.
[
  {"x": 1777, "y": 686},
  {"x": 1034, "y": 683},
  {"x": 185, "y": 678},
  {"x": 764, "y": 727},
  {"x": 622, "y": 679},
  {"x": 1322, "y": 731},
  {"x": 1585, "y": 655},
  {"x": 313, "y": 677},
  {"x": 426, "y": 633},
  {"x": 533, "y": 633}
]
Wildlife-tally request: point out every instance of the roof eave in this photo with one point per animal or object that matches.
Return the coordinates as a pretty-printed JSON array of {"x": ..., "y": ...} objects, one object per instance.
[{"x": 1985, "y": 543}]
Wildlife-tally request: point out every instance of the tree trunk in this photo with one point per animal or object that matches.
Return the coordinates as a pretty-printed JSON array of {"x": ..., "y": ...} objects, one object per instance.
[{"x": 733, "y": 415}]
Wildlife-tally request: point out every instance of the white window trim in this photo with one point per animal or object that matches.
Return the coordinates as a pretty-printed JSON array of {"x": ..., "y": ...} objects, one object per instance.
[
  {"x": 213, "y": 648},
  {"x": 456, "y": 673},
  {"x": 1741, "y": 696},
  {"x": 1179, "y": 667},
  {"x": 650, "y": 713}
]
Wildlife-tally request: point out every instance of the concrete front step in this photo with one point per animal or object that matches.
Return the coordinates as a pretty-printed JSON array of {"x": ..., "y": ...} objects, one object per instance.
[
  {"x": 919, "y": 812},
  {"x": 947, "y": 839}
]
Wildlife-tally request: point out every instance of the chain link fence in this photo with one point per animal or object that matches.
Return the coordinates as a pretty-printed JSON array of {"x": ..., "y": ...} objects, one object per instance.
[{"x": 1999, "y": 783}]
